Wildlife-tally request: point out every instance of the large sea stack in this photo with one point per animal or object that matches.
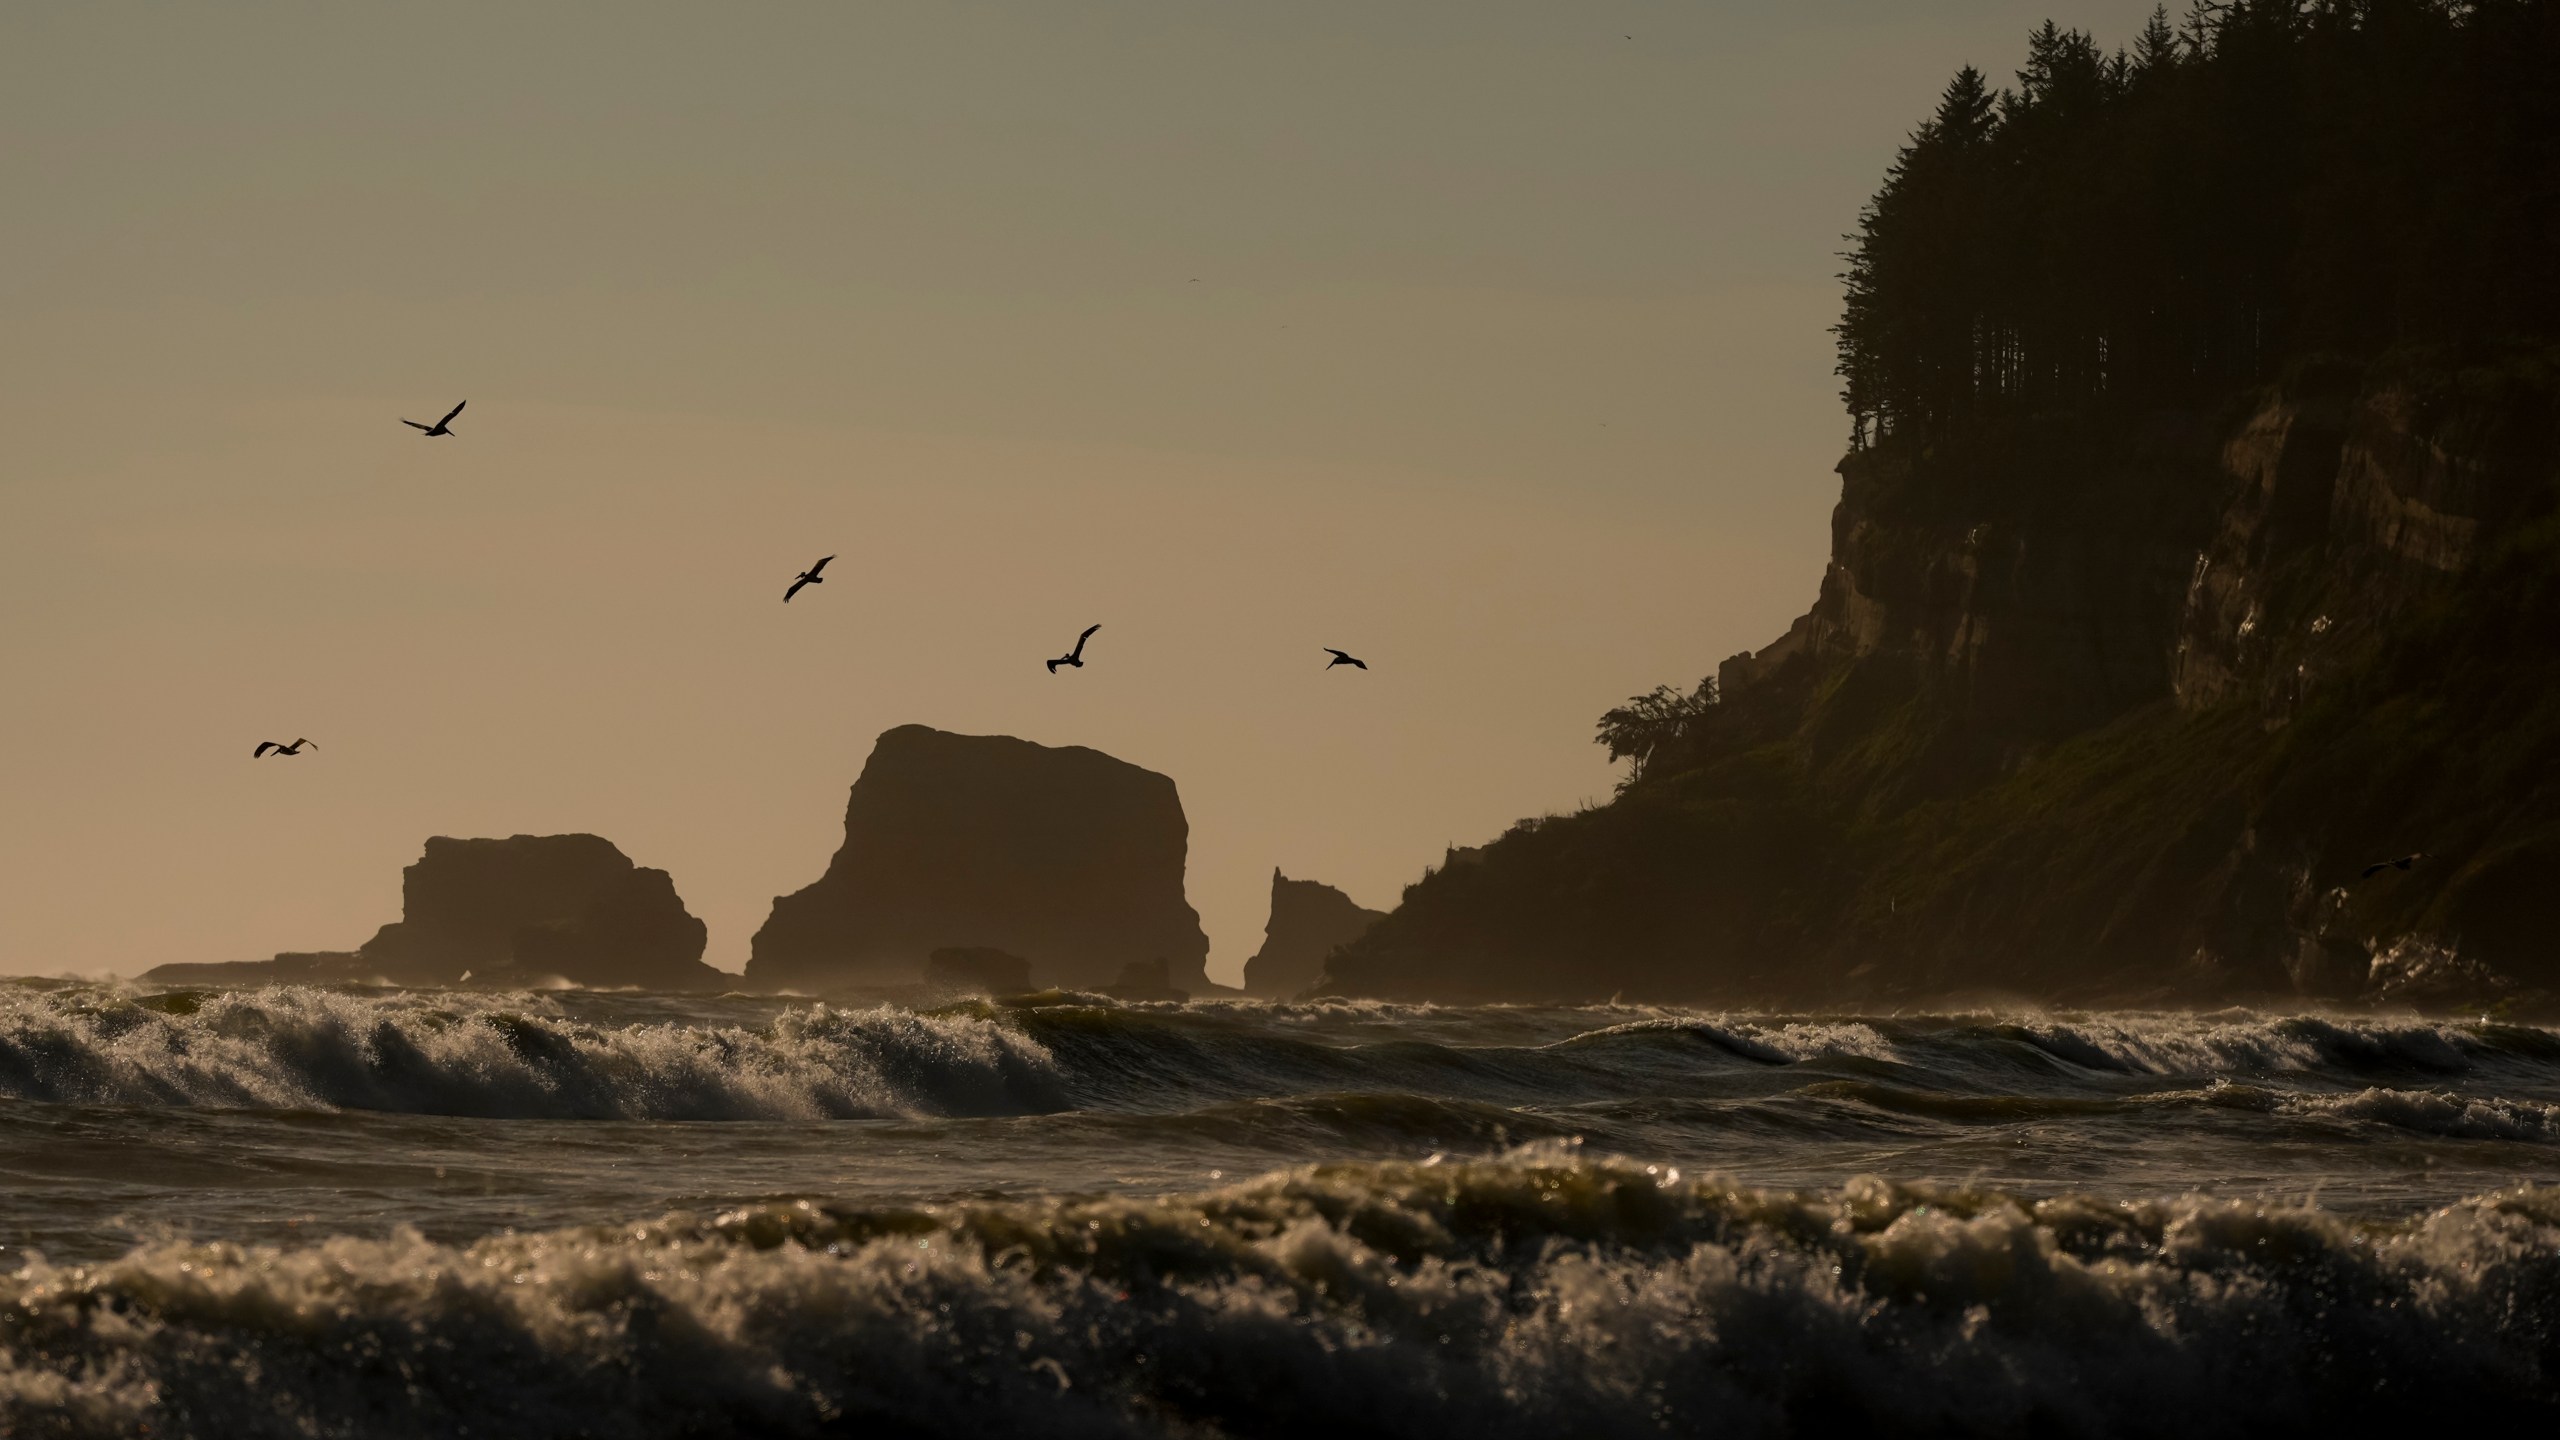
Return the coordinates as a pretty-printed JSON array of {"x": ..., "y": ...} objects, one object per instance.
[
  {"x": 1308, "y": 919},
  {"x": 1064, "y": 856},
  {"x": 529, "y": 909}
]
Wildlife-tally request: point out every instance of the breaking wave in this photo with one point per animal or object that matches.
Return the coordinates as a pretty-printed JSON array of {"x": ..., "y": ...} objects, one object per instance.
[
  {"x": 652, "y": 1058},
  {"x": 2437, "y": 1112},
  {"x": 288, "y": 1047},
  {"x": 1538, "y": 1292}
]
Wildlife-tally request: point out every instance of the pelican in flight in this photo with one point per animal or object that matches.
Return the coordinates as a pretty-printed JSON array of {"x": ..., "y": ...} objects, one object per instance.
[
  {"x": 281, "y": 748},
  {"x": 1343, "y": 658},
  {"x": 1074, "y": 657},
  {"x": 809, "y": 576},
  {"x": 2405, "y": 862},
  {"x": 441, "y": 427}
]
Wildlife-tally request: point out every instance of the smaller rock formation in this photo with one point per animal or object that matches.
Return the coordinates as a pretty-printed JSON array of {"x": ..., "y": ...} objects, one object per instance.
[
  {"x": 1066, "y": 855},
  {"x": 981, "y": 968},
  {"x": 1145, "y": 980},
  {"x": 538, "y": 906},
  {"x": 530, "y": 909},
  {"x": 1308, "y": 919},
  {"x": 293, "y": 967}
]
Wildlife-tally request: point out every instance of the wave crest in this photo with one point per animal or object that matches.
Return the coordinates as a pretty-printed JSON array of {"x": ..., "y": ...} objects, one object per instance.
[
  {"x": 515, "y": 1057},
  {"x": 2438, "y": 1112},
  {"x": 1535, "y": 1293}
]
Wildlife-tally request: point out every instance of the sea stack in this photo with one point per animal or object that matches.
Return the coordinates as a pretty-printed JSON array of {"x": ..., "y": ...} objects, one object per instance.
[
  {"x": 526, "y": 910},
  {"x": 536, "y": 907},
  {"x": 1064, "y": 856},
  {"x": 1308, "y": 919}
]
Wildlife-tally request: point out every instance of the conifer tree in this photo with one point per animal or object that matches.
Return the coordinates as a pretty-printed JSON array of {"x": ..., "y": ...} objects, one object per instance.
[{"x": 2268, "y": 179}]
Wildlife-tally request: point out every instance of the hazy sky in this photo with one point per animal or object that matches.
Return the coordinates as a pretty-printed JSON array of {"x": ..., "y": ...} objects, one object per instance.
[{"x": 1476, "y": 338}]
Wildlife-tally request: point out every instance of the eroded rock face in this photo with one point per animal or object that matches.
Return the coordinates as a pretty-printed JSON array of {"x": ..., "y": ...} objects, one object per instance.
[
  {"x": 528, "y": 909},
  {"x": 2102, "y": 709},
  {"x": 571, "y": 906},
  {"x": 1308, "y": 919},
  {"x": 1064, "y": 856}
]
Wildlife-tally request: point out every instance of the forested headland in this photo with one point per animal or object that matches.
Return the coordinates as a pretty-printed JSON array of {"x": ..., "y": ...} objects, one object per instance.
[{"x": 2198, "y": 547}]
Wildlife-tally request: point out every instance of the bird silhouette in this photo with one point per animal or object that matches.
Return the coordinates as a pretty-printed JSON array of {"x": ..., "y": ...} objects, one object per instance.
[
  {"x": 2405, "y": 862},
  {"x": 809, "y": 576},
  {"x": 1074, "y": 657},
  {"x": 441, "y": 427},
  {"x": 281, "y": 748},
  {"x": 1343, "y": 658}
]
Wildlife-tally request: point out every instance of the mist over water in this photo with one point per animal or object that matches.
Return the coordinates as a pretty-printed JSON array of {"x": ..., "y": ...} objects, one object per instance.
[{"x": 295, "y": 1211}]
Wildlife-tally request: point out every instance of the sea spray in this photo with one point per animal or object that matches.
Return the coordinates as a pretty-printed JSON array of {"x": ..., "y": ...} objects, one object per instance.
[
  {"x": 569, "y": 1056},
  {"x": 514, "y": 1057},
  {"x": 1536, "y": 1293}
]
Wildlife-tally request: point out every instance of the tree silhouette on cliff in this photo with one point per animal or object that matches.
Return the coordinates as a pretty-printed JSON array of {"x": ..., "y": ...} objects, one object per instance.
[
  {"x": 2160, "y": 225},
  {"x": 1652, "y": 723}
]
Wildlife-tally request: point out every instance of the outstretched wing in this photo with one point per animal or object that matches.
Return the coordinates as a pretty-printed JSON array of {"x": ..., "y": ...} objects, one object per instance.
[
  {"x": 821, "y": 565},
  {"x": 449, "y": 414},
  {"x": 1078, "y": 652},
  {"x": 263, "y": 747},
  {"x": 314, "y": 744},
  {"x": 415, "y": 425},
  {"x": 794, "y": 590},
  {"x": 2374, "y": 869}
]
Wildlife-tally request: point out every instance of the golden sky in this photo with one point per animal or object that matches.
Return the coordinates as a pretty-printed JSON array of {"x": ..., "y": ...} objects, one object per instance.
[{"x": 1478, "y": 339}]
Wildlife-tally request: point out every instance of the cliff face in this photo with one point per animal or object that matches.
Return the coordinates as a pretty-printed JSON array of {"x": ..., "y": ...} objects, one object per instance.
[
  {"x": 524, "y": 910},
  {"x": 1308, "y": 919},
  {"x": 2099, "y": 709},
  {"x": 1066, "y": 857},
  {"x": 571, "y": 906}
]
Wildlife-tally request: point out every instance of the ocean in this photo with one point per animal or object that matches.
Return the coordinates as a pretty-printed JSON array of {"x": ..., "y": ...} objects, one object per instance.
[{"x": 323, "y": 1212}]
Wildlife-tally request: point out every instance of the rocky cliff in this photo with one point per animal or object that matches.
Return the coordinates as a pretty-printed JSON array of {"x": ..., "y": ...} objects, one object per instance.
[
  {"x": 1308, "y": 920},
  {"x": 529, "y": 909},
  {"x": 1066, "y": 857},
  {"x": 2104, "y": 707}
]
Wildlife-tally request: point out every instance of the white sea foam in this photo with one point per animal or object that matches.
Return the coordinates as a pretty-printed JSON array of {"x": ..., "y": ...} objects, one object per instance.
[
  {"x": 2437, "y": 1112},
  {"x": 1536, "y": 1294},
  {"x": 289, "y": 1047},
  {"x": 2179, "y": 1044}
]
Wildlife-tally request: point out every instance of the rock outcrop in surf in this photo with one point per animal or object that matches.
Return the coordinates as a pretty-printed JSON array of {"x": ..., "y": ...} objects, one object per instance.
[
  {"x": 1308, "y": 919},
  {"x": 980, "y": 968},
  {"x": 525, "y": 910},
  {"x": 1064, "y": 856}
]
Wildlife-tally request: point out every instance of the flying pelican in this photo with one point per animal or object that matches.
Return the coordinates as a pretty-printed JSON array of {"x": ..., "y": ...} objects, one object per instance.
[
  {"x": 281, "y": 748},
  {"x": 1343, "y": 658},
  {"x": 441, "y": 427},
  {"x": 1074, "y": 657},
  {"x": 809, "y": 576},
  {"x": 2403, "y": 863}
]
